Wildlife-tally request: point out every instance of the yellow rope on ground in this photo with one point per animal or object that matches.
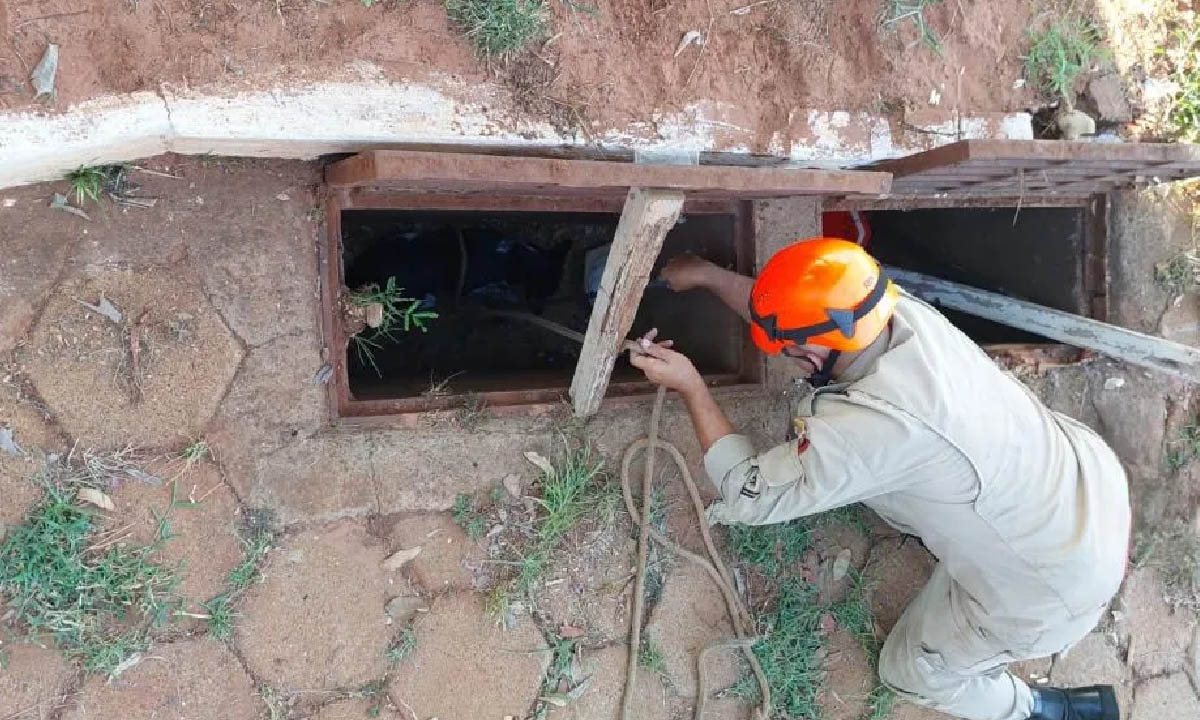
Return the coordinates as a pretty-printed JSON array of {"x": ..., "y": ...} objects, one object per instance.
[{"x": 713, "y": 564}]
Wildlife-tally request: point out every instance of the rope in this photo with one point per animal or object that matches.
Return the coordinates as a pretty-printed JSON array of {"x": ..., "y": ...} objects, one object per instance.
[{"x": 713, "y": 565}]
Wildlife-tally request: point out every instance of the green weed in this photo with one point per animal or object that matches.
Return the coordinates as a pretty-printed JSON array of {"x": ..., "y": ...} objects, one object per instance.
[
  {"x": 650, "y": 656},
  {"x": 770, "y": 548},
  {"x": 403, "y": 648},
  {"x": 569, "y": 493},
  {"x": 1059, "y": 52},
  {"x": 59, "y": 581},
  {"x": 913, "y": 11},
  {"x": 1180, "y": 274},
  {"x": 1185, "y": 447},
  {"x": 221, "y": 614},
  {"x": 88, "y": 182},
  {"x": 195, "y": 452},
  {"x": 1185, "y": 72},
  {"x": 400, "y": 314},
  {"x": 499, "y": 28},
  {"x": 468, "y": 517}
]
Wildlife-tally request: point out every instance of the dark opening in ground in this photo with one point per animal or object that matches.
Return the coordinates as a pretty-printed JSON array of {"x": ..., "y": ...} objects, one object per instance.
[
  {"x": 1034, "y": 254},
  {"x": 464, "y": 265}
]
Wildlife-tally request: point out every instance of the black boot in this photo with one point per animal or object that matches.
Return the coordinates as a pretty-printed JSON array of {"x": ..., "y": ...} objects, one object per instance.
[{"x": 1098, "y": 702}]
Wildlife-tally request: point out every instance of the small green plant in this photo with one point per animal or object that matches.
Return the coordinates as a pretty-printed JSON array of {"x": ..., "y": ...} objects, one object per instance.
[
  {"x": 398, "y": 314},
  {"x": 403, "y": 647},
  {"x": 195, "y": 452},
  {"x": 499, "y": 28},
  {"x": 1185, "y": 72},
  {"x": 898, "y": 11},
  {"x": 1059, "y": 52},
  {"x": 1180, "y": 274},
  {"x": 650, "y": 656},
  {"x": 221, "y": 614},
  {"x": 98, "y": 604},
  {"x": 88, "y": 182},
  {"x": 468, "y": 517},
  {"x": 1185, "y": 447}
]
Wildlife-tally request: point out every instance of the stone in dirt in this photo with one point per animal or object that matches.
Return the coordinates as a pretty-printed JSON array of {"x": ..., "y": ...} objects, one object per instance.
[
  {"x": 691, "y": 615},
  {"x": 203, "y": 539},
  {"x": 1158, "y": 637},
  {"x": 190, "y": 679},
  {"x": 317, "y": 620},
  {"x": 35, "y": 435},
  {"x": 1165, "y": 697},
  {"x": 1108, "y": 95},
  {"x": 899, "y": 568},
  {"x": 1094, "y": 660},
  {"x": 444, "y": 550},
  {"x": 180, "y": 379},
  {"x": 601, "y": 700},
  {"x": 34, "y": 680},
  {"x": 403, "y": 608},
  {"x": 464, "y": 666}
]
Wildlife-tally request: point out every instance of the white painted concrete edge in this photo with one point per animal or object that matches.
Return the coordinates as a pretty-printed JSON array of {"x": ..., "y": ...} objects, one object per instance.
[{"x": 307, "y": 121}]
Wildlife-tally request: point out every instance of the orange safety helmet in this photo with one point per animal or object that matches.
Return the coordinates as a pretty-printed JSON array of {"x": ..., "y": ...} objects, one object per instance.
[{"x": 822, "y": 291}]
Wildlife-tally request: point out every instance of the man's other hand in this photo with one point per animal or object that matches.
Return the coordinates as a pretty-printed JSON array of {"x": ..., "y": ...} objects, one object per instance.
[
  {"x": 684, "y": 272},
  {"x": 663, "y": 366}
]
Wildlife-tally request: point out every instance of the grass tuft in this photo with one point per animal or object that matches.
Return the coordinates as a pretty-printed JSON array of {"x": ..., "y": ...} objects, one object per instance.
[
  {"x": 221, "y": 614},
  {"x": 650, "y": 656},
  {"x": 195, "y": 452},
  {"x": 499, "y": 28},
  {"x": 1185, "y": 72},
  {"x": 1185, "y": 447},
  {"x": 59, "y": 581},
  {"x": 88, "y": 182},
  {"x": 770, "y": 548},
  {"x": 468, "y": 517},
  {"x": 403, "y": 647},
  {"x": 1180, "y": 275},
  {"x": 1059, "y": 52}
]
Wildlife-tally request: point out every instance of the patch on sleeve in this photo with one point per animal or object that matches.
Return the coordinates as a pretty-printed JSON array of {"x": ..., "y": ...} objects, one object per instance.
[
  {"x": 750, "y": 488},
  {"x": 801, "y": 429}
]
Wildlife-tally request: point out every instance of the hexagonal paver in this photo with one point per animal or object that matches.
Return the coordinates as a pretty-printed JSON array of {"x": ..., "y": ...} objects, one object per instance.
[
  {"x": 34, "y": 680},
  {"x": 82, "y": 364},
  {"x": 317, "y": 621},
  {"x": 444, "y": 550},
  {"x": 464, "y": 666},
  {"x": 1170, "y": 696},
  {"x": 35, "y": 435},
  {"x": 202, "y": 527},
  {"x": 181, "y": 681},
  {"x": 29, "y": 259}
]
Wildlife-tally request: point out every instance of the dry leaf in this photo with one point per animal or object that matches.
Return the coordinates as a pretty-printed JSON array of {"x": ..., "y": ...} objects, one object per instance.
[
  {"x": 541, "y": 462},
  {"x": 512, "y": 483},
  {"x": 691, "y": 36},
  {"x": 43, "y": 75},
  {"x": 92, "y": 496},
  {"x": 841, "y": 565},
  {"x": 105, "y": 308},
  {"x": 556, "y": 699},
  {"x": 59, "y": 202},
  {"x": 399, "y": 558}
]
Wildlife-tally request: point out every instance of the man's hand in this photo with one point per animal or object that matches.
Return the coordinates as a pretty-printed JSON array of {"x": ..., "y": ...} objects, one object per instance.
[
  {"x": 684, "y": 272},
  {"x": 663, "y": 366}
]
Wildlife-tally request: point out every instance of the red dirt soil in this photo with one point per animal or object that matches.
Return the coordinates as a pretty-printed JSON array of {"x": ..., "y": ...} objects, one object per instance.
[{"x": 611, "y": 65}]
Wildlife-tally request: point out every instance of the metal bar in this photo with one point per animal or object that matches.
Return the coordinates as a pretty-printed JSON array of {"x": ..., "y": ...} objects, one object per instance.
[{"x": 1138, "y": 348}]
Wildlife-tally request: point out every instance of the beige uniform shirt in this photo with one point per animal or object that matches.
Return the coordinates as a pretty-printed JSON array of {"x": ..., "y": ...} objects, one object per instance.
[{"x": 1027, "y": 509}]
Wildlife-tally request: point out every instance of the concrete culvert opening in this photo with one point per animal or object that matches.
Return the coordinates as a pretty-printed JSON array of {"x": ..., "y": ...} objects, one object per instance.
[
  {"x": 1035, "y": 254},
  {"x": 467, "y": 265}
]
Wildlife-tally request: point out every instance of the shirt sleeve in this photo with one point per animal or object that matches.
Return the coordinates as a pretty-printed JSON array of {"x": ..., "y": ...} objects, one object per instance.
[{"x": 848, "y": 454}]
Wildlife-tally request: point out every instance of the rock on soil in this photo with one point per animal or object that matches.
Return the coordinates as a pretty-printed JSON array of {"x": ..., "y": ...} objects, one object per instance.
[
  {"x": 181, "y": 681},
  {"x": 317, "y": 620},
  {"x": 35, "y": 435},
  {"x": 444, "y": 550},
  {"x": 34, "y": 680},
  {"x": 203, "y": 539},
  {"x": 606, "y": 686},
  {"x": 899, "y": 568},
  {"x": 186, "y": 359},
  {"x": 465, "y": 666},
  {"x": 1165, "y": 697},
  {"x": 1094, "y": 661},
  {"x": 1158, "y": 638},
  {"x": 1108, "y": 95},
  {"x": 690, "y": 615}
]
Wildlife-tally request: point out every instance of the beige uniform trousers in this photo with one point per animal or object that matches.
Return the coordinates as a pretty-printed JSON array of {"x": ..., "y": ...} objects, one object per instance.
[{"x": 1026, "y": 510}]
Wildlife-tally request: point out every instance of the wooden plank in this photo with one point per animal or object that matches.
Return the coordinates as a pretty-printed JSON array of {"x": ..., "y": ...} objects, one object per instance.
[
  {"x": 1138, "y": 348},
  {"x": 370, "y": 199},
  {"x": 647, "y": 218},
  {"x": 461, "y": 171}
]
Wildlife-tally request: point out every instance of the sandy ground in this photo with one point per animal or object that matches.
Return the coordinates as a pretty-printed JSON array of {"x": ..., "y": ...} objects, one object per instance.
[
  {"x": 233, "y": 247},
  {"x": 603, "y": 63}
]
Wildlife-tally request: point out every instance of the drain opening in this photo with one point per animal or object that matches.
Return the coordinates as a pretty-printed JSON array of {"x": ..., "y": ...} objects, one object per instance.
[
  {"x": 1039, "y": 257},
  {"x": 465, "y": 265}
]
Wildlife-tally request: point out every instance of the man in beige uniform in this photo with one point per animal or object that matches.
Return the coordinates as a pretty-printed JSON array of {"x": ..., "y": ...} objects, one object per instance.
[{"x": 1026, "y": 510}]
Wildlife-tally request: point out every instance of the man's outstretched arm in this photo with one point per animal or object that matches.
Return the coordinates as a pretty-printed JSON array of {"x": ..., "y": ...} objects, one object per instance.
[{"x": 686, "y": 272}]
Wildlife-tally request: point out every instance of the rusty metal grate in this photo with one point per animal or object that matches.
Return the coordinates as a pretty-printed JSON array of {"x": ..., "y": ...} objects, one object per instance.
[{"x": 1037, "y": 168}]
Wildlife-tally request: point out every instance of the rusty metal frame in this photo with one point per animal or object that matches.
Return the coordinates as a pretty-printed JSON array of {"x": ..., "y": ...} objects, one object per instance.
[{"x": 405, "y": 411}]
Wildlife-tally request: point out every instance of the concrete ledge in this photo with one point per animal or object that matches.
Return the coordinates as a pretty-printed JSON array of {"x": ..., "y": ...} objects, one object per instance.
[{"x": 309, "y": 121}]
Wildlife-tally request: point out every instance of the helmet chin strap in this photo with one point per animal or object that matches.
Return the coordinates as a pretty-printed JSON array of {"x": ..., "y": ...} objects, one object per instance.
[{"x": 822, "y": 378}]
